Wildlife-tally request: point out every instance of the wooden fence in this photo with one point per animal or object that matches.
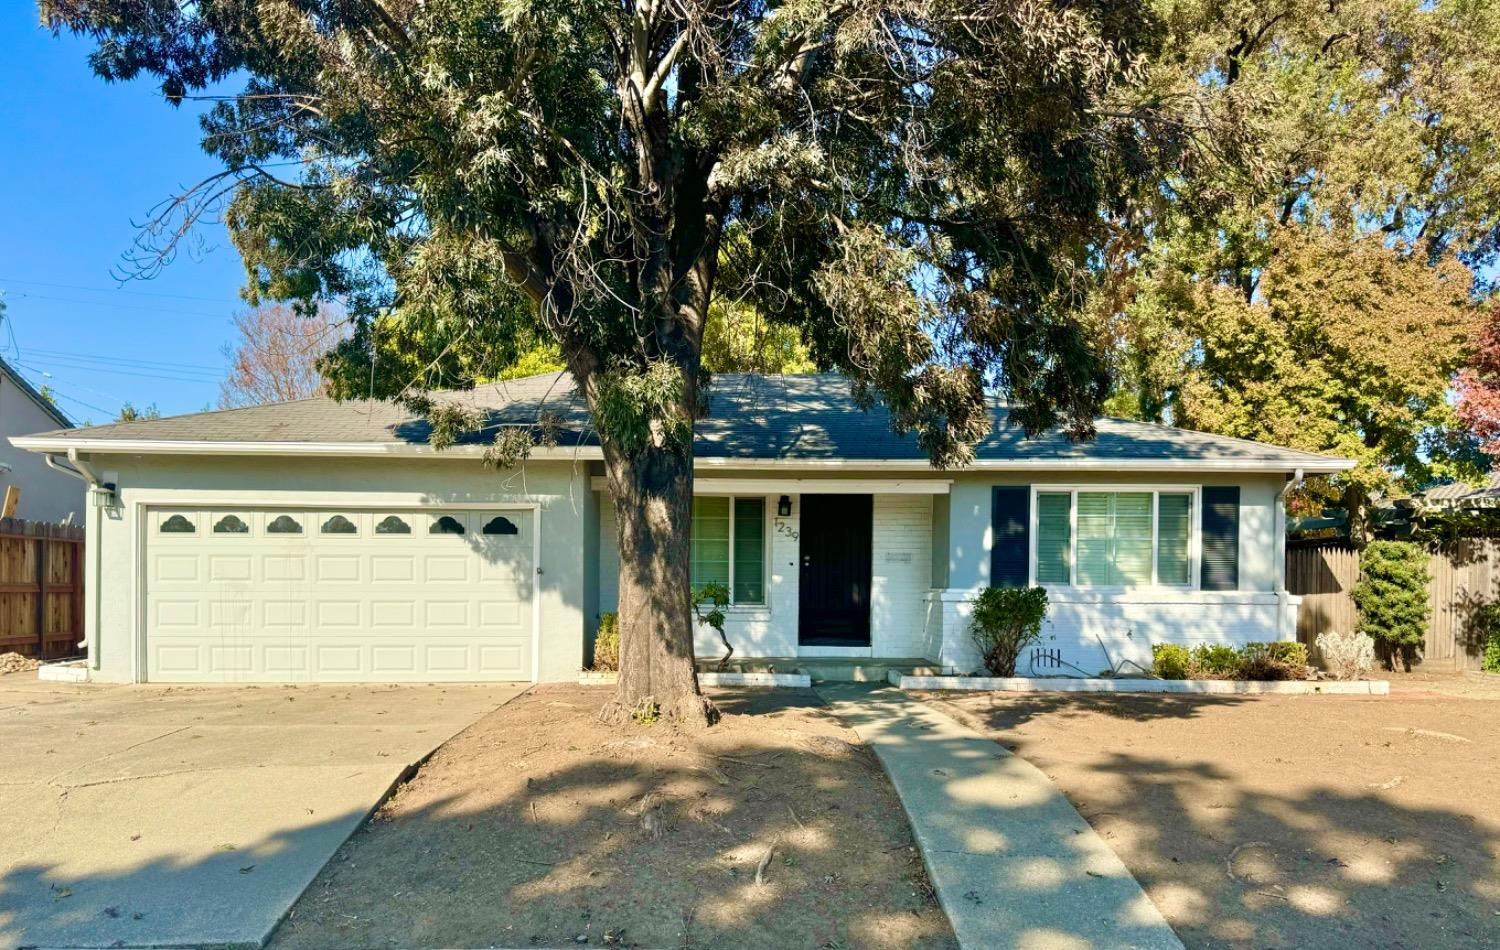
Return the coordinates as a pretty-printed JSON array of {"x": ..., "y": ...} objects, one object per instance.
[
  {"x": 41, "y": 588},
  {"x": 1463, "y": 580}
]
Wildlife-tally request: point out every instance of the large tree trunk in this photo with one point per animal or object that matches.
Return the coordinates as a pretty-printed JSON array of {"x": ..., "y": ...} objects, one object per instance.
[{"x": 653, "y": 496}]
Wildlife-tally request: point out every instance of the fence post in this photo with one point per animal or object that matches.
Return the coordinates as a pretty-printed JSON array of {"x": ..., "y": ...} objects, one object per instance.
[{"x": 41, "y": 597}]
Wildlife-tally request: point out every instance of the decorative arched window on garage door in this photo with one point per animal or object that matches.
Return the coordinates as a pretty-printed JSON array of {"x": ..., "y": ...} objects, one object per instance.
[
  {"x": 446, "y": 525},
  {"x": 231, "y": 524},
  {"x": 177, "y": 524},
  {"x": 392, "y": 524},
  {"x": 284, "y": 524},
  {"x": 338, "y": 524},
  {"x": 501, "y": 525}
]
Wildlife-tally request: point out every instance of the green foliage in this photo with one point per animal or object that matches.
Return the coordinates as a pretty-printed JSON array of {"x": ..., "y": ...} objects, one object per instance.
[
  {"x": 1391, "y": 595},
  {"x": 1170, "y": 661},
  {"x": 645, "y": 409},
  {"x": 716, "y": 597},
  {"x": 607, "y": 642},
  {"x": 1005, "y": 621},
  {"x": 1212, "y": 660},
  {"x": 1488, "y": 625},
  {"x": 474, "y": 179},
  {"x": 129, "y": 413},
  {"x": 1253, "y": 661}
]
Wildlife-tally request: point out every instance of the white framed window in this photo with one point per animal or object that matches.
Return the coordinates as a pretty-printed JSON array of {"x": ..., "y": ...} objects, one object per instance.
[
  {"x": 729, "y": 546},
  {"x": 1114, "y": 537}
]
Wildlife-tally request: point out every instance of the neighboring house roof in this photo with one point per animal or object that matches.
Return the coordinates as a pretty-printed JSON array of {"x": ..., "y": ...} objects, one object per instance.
[
  {"x": 60, "y": 417},
  {"x": 793, "y": 419},
  {"x": 1460, "y": 495}
]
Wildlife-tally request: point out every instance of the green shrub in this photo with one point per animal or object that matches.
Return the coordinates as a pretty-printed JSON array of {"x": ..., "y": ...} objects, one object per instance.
[
  {"x": 607, "y": 642},
  {"x": 1489, "y": 628},
  {"x": 1211, "y": 661},
  {"x": 1392, "y": 597},
  {"x": 1289, "y": 652},
  {"x": 1006, "y": 620},
  {"x": 1170, "y": 661}
]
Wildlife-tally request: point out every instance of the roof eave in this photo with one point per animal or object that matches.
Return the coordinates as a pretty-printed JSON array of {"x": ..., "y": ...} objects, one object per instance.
[{"x": 52, "y": 444}]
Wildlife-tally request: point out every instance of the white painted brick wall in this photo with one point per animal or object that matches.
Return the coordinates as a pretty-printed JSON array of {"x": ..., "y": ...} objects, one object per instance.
[
  {"x": 901, "y": 567},
  {"x": 900, "y": 574}
]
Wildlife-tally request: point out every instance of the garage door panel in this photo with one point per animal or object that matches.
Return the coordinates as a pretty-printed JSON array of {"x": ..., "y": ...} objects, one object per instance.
[{"x": 378, "y": 596}]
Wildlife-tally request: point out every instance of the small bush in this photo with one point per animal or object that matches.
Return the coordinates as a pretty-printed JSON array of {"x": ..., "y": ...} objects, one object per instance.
[
  {"x": 1268, "y": 661},
  {"x": 1006, "y": 620},
  {"x": 1489, "y": 629},
  {"x": 1289, "y": 652},
  {"x": 1391, "y": 595},
  {"x": 1170, "y": 661},
  {"x": 1348, "y": 656},
  {"x": 607, "y": 642},
  {"x": 1211, "y": 661}
]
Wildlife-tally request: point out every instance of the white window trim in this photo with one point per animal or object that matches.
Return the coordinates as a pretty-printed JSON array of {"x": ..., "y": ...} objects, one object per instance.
[
  {"x": 765, "y": 550},
  {"x": 1195, "y": 533}
]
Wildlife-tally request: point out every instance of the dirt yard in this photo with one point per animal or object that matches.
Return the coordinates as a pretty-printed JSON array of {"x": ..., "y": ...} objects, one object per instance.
[
  {"x": 540, "y": 827},
  {"x": 1312, "y": 821}
]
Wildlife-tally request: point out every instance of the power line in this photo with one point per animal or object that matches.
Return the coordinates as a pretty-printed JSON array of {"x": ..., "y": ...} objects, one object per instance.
[
  {"x": 110, "y": 290},
  {"x": 118, "y": 306},
  {"x": 130, "y": 361}
]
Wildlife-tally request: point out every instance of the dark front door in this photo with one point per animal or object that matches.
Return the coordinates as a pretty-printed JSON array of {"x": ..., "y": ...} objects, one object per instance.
[{"x": 835, "y": 580}]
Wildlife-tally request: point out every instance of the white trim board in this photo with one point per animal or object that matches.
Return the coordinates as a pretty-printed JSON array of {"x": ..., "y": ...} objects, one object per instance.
[
  {"x": 60, "y": 446},
  {"x": 807, "y": 486}
]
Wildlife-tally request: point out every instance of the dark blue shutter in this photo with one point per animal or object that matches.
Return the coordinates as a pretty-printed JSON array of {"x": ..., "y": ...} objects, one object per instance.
[
  {"x": 1010, "y": 523},
  {"x": 1221, "y": 537}
]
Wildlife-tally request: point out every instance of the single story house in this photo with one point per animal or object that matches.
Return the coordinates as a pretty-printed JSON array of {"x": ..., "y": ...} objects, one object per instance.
[{"x": 315, "y": 541}]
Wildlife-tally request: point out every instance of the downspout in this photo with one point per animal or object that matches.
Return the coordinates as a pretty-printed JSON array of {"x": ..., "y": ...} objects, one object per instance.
[
  {"x": 1283, "y": 596},
  {"x": 93, "y": 522}
]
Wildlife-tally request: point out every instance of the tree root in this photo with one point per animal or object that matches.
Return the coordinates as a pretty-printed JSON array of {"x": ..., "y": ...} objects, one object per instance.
[{"x": 692, "y": 713}]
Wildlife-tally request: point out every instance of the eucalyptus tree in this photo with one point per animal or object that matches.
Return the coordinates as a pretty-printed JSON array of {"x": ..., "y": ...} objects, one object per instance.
[{"x": 913, "y": 186}]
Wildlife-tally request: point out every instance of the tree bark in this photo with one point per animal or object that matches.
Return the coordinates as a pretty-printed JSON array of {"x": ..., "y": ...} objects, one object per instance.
[
  {"x": 1357, "y": 505},
  {"x": 653, "y": 497}
]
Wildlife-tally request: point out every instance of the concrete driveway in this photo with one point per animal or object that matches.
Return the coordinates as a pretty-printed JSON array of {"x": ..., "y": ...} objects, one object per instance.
[{"x": 163, "y": 816}]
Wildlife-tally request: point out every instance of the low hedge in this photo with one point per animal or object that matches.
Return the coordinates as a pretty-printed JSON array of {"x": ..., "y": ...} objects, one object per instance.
[{"x": 1253, "y": 661}]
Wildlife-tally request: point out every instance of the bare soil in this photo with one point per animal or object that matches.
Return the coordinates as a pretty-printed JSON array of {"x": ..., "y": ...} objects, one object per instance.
[
  {"x": 540, "y": 827},
  {"x": 1283, "y": 821}
]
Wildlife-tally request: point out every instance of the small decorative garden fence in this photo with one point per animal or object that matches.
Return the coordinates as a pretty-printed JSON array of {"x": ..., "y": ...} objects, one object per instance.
[
  {"x": 41, "y": 588},
  {"x": 1464, "y": 578}
]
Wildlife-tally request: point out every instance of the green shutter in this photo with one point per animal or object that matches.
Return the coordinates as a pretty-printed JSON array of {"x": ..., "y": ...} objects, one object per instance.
[
  {"x": 749, "y": 550},
  {"x": 1054, "y": 538},
  {"x": 1173, "y": 530},
  {"x": 710, "y": 542}
]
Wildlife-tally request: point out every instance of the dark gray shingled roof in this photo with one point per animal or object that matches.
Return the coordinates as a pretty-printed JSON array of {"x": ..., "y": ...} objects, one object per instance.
[
  {"x": 791, "y": 417},
  {"x": 1461, "y": 494}
]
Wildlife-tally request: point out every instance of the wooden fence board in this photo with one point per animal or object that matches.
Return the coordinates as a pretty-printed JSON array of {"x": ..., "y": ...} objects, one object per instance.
[
  {"x": 1463, "y": 580},
  {"x": 41, "y": 588}
]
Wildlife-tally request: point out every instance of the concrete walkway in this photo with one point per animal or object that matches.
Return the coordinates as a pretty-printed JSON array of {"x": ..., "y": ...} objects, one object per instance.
[
  {"x": 145, "y": 816},
  {"x": 1013, "y": 863}
]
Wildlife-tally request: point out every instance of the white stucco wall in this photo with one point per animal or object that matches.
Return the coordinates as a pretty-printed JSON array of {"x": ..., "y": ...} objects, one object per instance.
[
  {"x": 46, "y": 494},
  {"x": 559, "y": 488}
]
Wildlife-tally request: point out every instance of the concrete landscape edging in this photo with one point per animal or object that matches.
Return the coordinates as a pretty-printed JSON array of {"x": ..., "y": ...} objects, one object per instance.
[
  {"x": 794, "y": 680},
  {"x": 70, "y": 672},
  {"x": 1040, "y": 684}
]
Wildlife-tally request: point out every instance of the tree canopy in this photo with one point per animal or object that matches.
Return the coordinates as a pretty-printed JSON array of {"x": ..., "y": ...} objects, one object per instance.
[
  {"x": 1314, "y": 284},
  {"x": 916, "y": 189}
]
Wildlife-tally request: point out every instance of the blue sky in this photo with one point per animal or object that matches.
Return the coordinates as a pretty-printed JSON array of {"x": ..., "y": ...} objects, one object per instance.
[{"x": 81, "y": 161}]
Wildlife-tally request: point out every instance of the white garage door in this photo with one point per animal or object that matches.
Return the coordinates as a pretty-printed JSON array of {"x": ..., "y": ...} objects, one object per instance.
[{"x": 249, "y": 595}]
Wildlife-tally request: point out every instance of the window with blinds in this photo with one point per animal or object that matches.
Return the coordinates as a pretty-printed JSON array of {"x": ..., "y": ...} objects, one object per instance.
[
  {"x": 729, "y": 546},
  {"x": 1114, "y": 538}
]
